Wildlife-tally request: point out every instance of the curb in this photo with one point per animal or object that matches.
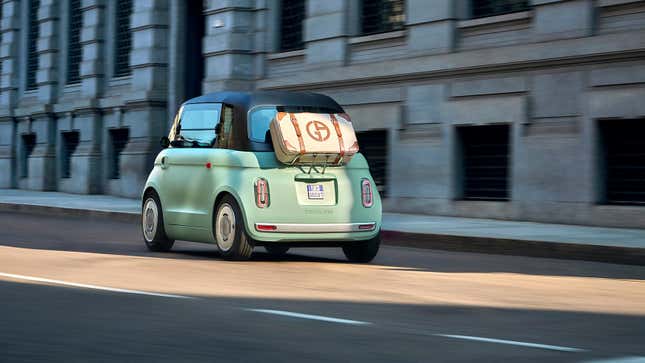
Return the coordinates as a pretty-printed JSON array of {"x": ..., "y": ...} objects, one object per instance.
[
  {"x": 500, "y": 246},
  {"x": 69, "y": 212}
]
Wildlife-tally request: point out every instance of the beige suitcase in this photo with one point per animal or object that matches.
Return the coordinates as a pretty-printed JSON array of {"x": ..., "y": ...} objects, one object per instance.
[{"x": 313, "y": 138}]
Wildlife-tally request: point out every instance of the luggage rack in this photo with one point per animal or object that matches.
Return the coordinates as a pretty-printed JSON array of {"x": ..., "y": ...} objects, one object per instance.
[{"x": 313, "y": 166}]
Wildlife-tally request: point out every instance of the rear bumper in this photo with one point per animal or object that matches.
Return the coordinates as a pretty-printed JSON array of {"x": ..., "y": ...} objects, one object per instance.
[{"x": 314, "y": 228}]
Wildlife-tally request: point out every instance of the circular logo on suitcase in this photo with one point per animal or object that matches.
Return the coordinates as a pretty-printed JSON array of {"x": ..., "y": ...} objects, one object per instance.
[{"x": 318, "y": 131}]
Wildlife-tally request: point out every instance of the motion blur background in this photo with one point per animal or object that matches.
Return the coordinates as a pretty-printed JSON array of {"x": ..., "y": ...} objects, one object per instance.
[{"x": 526, "y": 110}]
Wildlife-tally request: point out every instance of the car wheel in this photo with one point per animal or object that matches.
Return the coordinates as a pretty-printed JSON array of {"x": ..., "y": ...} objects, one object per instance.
[
  {"x": 152, "y": 226},
  {"x": 230, "y": 234},
  {"x": 277, "y": 249},
  {"x": 363, "y": 251}
]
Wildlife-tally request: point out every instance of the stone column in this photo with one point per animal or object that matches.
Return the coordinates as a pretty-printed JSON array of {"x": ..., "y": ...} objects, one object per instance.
[
  {"x": 176, "y": 49},
  {"x": 9, "y": 48},
  {"x": 42, "y": 162},
  {"x": 38, "y": 106},
  {"x": 431, "y": 26},
  {"x": 145, "y": 108},
  {"x": 47, "y": 77},
  {"x": 229, "y": 50},
  {"x": 86, "y": 118},
  {"x": 325, "y": 33},
  {"x": 92, "y": 40}
]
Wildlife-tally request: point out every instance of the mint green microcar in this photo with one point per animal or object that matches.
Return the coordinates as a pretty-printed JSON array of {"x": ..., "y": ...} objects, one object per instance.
[{"x": 217, "y": 180}]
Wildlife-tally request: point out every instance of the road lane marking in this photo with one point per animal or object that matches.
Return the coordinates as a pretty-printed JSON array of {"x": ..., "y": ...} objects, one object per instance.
[
  {"x": 619, "y": 360},
  {"x": 512, "y": 342},
  {"x": 93, "y": 287},
  {"x": 310, "y": 317}
]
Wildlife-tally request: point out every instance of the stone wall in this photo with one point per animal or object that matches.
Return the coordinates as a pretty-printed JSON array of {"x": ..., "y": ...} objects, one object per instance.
[{"x": 551, "y": 73}]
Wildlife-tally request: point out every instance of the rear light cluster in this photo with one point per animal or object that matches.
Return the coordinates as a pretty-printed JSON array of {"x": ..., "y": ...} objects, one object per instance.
[
  {"x": 262, "y": 193},
  {"x": 367, "y": 195}
]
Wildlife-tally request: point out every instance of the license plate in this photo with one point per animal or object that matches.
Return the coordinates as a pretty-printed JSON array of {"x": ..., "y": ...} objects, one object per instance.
[{"x": 315, "y": 191}]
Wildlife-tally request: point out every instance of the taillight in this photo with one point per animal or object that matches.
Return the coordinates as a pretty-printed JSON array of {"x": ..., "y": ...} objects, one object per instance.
[
  {"x": 261, "y": 193},
  {"x": 366, "y": 193},
  {"x": 266, "y": 227}
]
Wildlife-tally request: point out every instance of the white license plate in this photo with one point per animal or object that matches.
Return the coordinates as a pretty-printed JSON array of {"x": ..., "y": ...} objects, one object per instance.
[{"x": 315, "y": 191}]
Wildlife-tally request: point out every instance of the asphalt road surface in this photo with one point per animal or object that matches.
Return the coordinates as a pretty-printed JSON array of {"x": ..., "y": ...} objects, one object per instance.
[{"x": 88, "y": 290}]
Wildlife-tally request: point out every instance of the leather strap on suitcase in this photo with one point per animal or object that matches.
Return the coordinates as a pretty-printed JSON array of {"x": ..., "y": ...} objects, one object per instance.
[
  {"x": 294, "y": 121},
  {"x": 341, "y": 143}
]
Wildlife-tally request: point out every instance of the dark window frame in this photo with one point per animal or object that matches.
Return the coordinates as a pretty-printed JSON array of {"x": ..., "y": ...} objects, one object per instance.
[
  {"x": 485, "y": 156},
  {"x": 122, "y": 38},
  {"x": 74, "y": 48},
  {"x": 622, "y": 162},
  {"x": 486, "y": 8},
  {"x": 69, "y": 142},
  {"x": 27, "y": 148},
  {"x": 292, "y": 16},
  {"x": 119, "y": 139},
  {"x": 377, "y": 160},
  {"x": 33, "y": 34},
  {"x": 374, "y": 14}
]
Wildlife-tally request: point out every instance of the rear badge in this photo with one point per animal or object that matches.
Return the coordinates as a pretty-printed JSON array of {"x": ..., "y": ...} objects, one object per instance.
[{"x": 315, "y": 191}]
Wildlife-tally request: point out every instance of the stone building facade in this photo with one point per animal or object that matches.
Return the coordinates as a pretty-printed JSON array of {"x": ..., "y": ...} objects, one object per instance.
[{"x": 509, "y": 109}]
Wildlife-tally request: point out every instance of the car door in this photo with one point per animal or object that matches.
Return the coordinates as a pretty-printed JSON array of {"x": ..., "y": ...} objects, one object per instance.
[{"x": 187, "y": 168}]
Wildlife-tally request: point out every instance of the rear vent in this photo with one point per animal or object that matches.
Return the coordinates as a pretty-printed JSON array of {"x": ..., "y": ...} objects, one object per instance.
[
  {"x": 624, "y": 161},
  {"x": 485, "y": 159}
]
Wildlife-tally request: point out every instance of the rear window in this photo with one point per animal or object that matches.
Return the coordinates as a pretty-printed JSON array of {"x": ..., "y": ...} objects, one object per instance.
[{"x": 260, "y": 118}]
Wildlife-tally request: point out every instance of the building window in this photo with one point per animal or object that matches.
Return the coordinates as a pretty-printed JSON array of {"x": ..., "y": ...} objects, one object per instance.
[
  {"x": 74, "y": 39},
  {"x": 118, "y": 140},
  {"x": 28, "y": 145},
  {"x": 70, "y": 141},
  {"x": 483, "y": 8},
  {"x": 623, "y": 149},
  {"x": 485, "y": 162},
  {"x": 32, "y": 52},
  {"x": 374, "y": 146},
  {"x": 291, "y": 18},
  {"x": 123, "y": 38},
  {"x": 380, "y": 16}
]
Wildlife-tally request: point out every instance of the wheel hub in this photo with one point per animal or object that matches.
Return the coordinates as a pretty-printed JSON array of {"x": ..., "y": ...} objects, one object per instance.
[
  {"x": 150, "y": 216},
  {"x": 225, "y": 223}
]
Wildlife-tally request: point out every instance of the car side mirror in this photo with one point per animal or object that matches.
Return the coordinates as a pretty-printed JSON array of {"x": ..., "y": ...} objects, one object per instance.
[
  {"x": 164, "y": 142},
  {"x": 218, "y": 129}
]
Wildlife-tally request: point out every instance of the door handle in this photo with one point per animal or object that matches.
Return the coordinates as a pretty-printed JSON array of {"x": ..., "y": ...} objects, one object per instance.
[{"x": 164, "y": 163}]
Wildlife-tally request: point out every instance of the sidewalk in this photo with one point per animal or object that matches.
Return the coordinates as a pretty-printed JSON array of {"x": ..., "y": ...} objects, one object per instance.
[{"x": 450, "y": 233}]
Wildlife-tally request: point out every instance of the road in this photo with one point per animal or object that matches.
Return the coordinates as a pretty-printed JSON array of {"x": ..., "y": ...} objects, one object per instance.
[{"x": 87, "y": 290}]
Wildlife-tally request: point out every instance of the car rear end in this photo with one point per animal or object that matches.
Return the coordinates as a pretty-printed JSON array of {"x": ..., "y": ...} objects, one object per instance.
[{"x": 301, "y": 204}]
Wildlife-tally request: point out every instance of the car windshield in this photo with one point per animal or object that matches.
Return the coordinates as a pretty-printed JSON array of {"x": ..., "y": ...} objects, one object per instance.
[
  {"x": 196, "y": 127},
  {"x": 261, "y": 117}
]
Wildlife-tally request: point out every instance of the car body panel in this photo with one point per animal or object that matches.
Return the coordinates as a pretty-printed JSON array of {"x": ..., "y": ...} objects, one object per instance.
[
  {"x": 191, "y": 178},
  {"x": 188, "y": 191}
]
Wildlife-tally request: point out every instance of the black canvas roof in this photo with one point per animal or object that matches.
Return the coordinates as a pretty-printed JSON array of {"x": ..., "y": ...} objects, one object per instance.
[
  {"x": 242, "y": 102},
  {"x": 248, "y": 100}
]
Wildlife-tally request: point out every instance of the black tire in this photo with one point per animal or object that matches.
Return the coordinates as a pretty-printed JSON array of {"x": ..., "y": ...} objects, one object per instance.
[
  {"x": 152, "y": 224},
  {"x": 363, "y": 251},
  {"x": 277, "y": 249},
  {"x": 237, "y": 246}
]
